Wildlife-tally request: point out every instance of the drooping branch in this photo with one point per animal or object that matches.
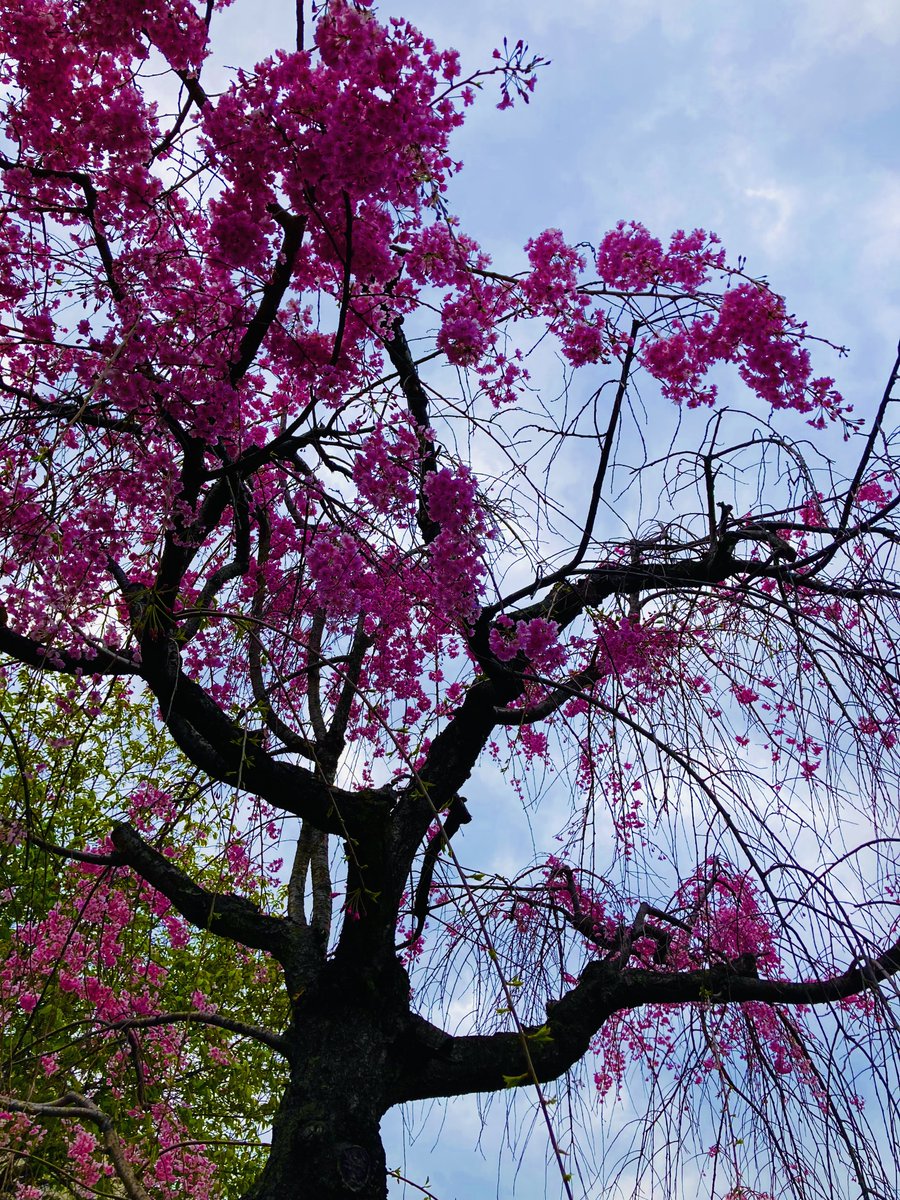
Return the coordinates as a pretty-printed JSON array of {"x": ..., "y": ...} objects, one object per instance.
[
  {"x": 491, "y": 700},
  {"x": 877, "y": 426},
  {"x": 607, "y": 442},
  {"x": 75, "y": 1107},
  {"x": 454, "y": 752}
]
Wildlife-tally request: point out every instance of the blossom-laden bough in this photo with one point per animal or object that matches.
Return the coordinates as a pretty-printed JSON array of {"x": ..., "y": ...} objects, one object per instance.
[{"x": 282, "y": 458}]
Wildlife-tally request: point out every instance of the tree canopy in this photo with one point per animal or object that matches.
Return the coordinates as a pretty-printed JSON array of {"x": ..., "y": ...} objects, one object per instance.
[{"x": 303, "y": 541}]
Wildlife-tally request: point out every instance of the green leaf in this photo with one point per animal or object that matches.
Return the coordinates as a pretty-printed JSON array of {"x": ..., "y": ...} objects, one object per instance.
[{"x": 540, "y": 1036}]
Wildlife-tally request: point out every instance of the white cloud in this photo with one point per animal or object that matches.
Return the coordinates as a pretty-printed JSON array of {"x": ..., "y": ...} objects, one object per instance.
[{"x": 831, "y": 23}]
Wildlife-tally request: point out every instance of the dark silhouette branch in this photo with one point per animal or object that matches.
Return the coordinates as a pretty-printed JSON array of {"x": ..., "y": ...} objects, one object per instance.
[
  {"x": 438, "y": 1064},
  {"x": 866, "y": 455},
  {"x": 607, "y": 441},
  {"x": 226, "y": 915},
  {"x": 235, "y": 755},
  {"x": 456, "y": 816},
  {"x": 289, "y": 738},
  {"x": 417, "y": 402},
  {"x": 346, "y": 280},
  {"x": 85, "y": 856},
  {"x": 273, "y": 293},
  {"x": 33, "y": 653}
]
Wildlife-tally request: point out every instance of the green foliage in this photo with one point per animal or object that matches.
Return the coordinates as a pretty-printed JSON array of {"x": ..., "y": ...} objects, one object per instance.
[{"x": 73, "y": 760}]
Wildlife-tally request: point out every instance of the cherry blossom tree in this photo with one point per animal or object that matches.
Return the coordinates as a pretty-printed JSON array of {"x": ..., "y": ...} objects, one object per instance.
[{"x": 297, "y": 574}]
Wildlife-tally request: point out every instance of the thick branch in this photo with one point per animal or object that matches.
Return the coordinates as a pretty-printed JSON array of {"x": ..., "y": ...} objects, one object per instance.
[
  {"x": 448, "y": 765},
  {"x": 320, "y": 878},
  {"x": 34, "y": 654},
  {"x": 456, "y": 748},
  {"x": 231, "y": 754},
  {"x": 568, "y": 600},
  {"x": 290, "y": 739},
  {"x": 440, "y": 1065},
  {"x": 226, "y": 915},
  {"x": 311, "y": 858},
  {"x": 346, "y": 281},
  {"x": 314, "y": 676},
  {"x": 733, "y": 983}
]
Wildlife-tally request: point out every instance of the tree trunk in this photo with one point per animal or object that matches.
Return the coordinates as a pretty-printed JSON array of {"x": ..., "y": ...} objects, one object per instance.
[{"x": 326, "y": 1141}]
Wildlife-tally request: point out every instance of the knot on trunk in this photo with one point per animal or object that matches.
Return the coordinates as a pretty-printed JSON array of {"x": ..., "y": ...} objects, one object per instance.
[{"x": 354, "y": 1165}]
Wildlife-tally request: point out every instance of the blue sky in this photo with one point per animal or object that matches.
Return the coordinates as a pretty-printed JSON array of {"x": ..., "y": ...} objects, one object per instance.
[{"x": 774, "y": 124}]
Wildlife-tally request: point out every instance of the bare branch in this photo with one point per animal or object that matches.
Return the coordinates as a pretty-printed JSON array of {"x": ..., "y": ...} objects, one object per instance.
[
  {"x": 73, "y": 1106},
  {"x": 877, "y": 424},
  {"x": 264, "y": 1036}
]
